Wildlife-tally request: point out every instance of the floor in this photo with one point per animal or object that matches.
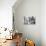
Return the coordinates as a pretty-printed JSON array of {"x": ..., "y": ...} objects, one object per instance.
[
  {"x": 17, "y": 40},
  {"x": 9, "y": 43}
]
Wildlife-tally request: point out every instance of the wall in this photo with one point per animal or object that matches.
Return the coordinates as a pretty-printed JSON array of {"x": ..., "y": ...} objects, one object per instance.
[
  {"x": 28, "y": 8},
  {"x": 43, "y": 22},
  {"x": 31, "y": 29}
]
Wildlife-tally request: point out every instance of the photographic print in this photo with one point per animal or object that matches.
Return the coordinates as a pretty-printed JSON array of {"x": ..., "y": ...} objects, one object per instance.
[{"x": 29, "y": 20}]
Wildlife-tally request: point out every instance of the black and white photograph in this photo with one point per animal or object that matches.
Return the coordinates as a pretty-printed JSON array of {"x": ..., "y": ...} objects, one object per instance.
[{"x": 29, "y": 20}]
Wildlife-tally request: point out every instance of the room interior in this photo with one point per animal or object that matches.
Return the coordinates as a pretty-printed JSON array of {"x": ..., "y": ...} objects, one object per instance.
[{"x": 22, "y": 23}]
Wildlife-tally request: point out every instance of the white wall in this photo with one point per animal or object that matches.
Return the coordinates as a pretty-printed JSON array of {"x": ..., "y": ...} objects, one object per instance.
[
  {"x": 32, "y": 8},
  {"x": 29, "y": 8},
  {"x": 6, "y": 13},
  {"x": 43, "y": 22}
]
